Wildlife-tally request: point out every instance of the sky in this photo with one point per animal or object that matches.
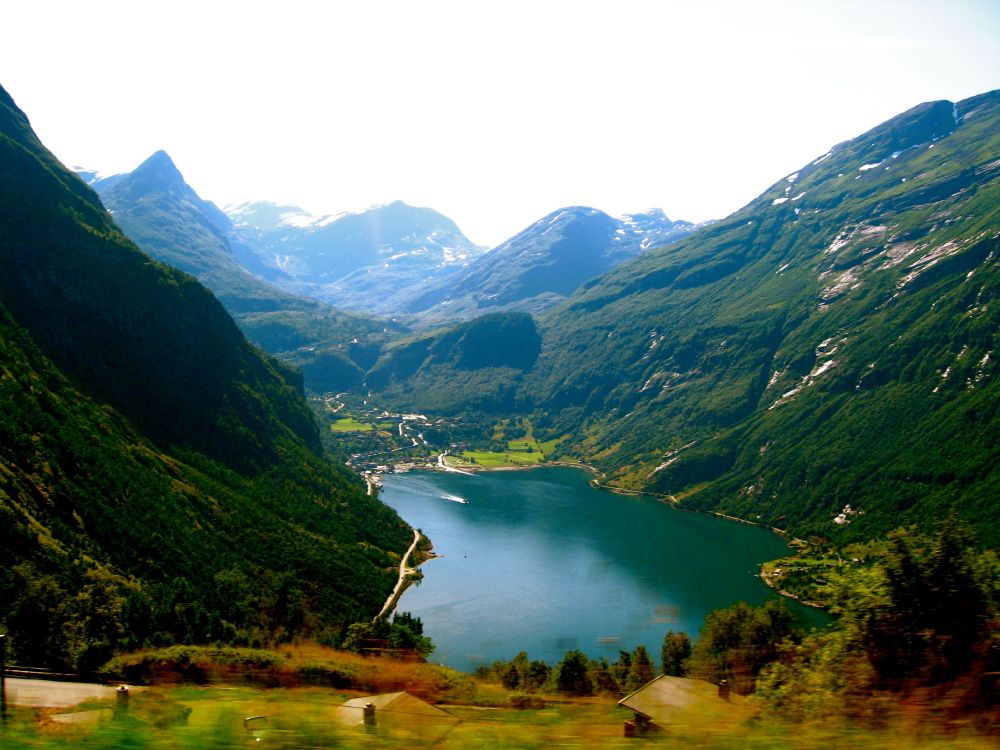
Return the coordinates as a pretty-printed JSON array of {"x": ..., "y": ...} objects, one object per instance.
[{"x": 493, "y": 113}]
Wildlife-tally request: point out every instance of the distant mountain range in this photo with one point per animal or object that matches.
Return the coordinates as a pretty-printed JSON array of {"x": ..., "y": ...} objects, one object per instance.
[
  {"x": 546, "y": 262},
  {"x": 832, "y": 344},
  {"x": 366, "y": 261},
  {"x": 393, "y": 260},
  {"x": 398, "y": 260}
]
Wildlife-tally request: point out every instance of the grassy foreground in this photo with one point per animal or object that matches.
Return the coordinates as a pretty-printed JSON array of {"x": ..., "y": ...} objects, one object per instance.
[
  {"x": 294, "y": 688},
  {"x": 305, "y": 718}
]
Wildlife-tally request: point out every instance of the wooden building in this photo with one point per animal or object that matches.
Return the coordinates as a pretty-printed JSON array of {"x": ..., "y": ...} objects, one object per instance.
[
  {"x": 401, "y": 717},
  {"x": 678, "y": 701}
]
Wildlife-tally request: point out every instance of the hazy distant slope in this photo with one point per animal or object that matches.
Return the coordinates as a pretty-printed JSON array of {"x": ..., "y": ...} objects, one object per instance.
[
  {"x": 472, "y": 366},
  {"x": 162, "y": 214},
  {"x": 160, "y": 479},
  {"x": 546, "y": 262},
  {"x": 370, "y": 261}
]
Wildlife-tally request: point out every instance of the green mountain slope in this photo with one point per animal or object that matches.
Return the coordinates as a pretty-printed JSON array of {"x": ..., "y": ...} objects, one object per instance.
[
  {"x": 833, "y": 343},
  {"x": 473, "y": 366},
  {"x": 165, "y": 217},
  {"x": 830, "y": 344},
  {"x": 160, "y": 479}
]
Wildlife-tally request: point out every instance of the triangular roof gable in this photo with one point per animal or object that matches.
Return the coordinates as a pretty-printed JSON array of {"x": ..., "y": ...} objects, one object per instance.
[
  {"x": 382, "y": 700},
  {"x": 399, "y": 703},
  {"x": 668, "y": 695}
]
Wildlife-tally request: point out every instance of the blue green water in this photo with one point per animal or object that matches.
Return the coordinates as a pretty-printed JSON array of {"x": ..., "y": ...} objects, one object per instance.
[{"x": 540, "y": 561}]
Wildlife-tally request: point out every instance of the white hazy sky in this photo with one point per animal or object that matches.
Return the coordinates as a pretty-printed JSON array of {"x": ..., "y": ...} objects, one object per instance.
[{"x": 493, "y": 113}]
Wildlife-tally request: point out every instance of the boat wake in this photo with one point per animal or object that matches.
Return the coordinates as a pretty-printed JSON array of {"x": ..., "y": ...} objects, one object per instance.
[{"x": 423, "y": 488}]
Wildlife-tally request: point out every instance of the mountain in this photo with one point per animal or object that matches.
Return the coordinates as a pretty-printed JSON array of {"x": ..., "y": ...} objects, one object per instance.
[
  {"x": 165, "y": 217},
  {"x": 161, "y": 480},
  {"x": 480, "y": 360},
  {"x": 546, "y": 262},
  {"x": 365, "y": 261},
  {"x": 831, "y": 344}
]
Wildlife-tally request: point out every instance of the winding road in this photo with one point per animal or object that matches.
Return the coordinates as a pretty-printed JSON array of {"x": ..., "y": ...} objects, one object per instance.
[{"x": 404, "y": 570}]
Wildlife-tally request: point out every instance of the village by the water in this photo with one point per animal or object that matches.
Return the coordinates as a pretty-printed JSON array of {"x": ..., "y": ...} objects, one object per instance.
[{"x": 381, "y": 442}]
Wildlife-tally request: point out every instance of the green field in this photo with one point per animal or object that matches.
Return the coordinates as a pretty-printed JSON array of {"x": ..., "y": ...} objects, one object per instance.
[
  {"x": 488, "y": 460},
  {"x": 524, "y": 445},
  {"x": 349, "y": 424},
  {"x": 524, "y": 452}
]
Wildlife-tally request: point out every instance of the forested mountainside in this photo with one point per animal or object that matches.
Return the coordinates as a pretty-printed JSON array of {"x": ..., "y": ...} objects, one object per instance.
[
  {"x": 372, "y": 261},
  {"x": 474, "y": 365},
  {"x": 167, "y": 219},
  {"x": 160, "y": 479},
  {"x": 833, "y": 343},
  {"x": 546, "y": 262}
]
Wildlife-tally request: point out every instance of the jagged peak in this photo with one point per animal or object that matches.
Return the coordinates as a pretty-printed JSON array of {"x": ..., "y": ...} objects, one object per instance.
[
  {"x": 157, "y": 174},
  {"x": 161, "y": 163},
  {"x": 572, "y": 211}
]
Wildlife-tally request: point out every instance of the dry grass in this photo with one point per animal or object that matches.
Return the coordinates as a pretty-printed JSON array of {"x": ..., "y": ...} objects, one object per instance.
[{"x": 292, "y": 666}]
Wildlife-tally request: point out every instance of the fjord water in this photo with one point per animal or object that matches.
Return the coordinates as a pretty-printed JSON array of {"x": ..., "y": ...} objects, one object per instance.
[{"x": 540, "y": 561}]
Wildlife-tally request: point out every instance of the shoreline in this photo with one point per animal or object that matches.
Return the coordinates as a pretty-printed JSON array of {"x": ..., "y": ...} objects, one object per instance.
[{"x": 770, "y": 583}]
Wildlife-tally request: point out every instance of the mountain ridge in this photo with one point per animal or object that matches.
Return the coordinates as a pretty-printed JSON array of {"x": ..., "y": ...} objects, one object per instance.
[
  {"x": 547, "y": 261},
  {"x": 362, "y": 261}
]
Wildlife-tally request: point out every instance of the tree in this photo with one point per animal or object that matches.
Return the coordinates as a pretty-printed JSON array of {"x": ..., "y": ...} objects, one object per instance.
[
  {"x": 360, "y": 637},
  {"x": 406, "y": 636},
  {"x": 675, "y": 651},
  {"x": 95, "y": 630},
  {"x": 36, "y": 618},
  {"x": 520, "y": 673},
  {"x": 403, "y": 637},
  {"x": 939, "y": 603},
  {"x": 736, "y": 642},
  {"x": 621, "y": 667},
  {"x": 641, "y": 670},
  {"x": 603, "y": 679},
  {"x": 510, "y": 676},
  {"x": 573, "y": 674},
  {"x": 537, "y": 675}
]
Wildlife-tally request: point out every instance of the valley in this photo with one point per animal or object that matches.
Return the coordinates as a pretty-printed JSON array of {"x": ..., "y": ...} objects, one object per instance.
[{"x": 236, "y": 427}]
